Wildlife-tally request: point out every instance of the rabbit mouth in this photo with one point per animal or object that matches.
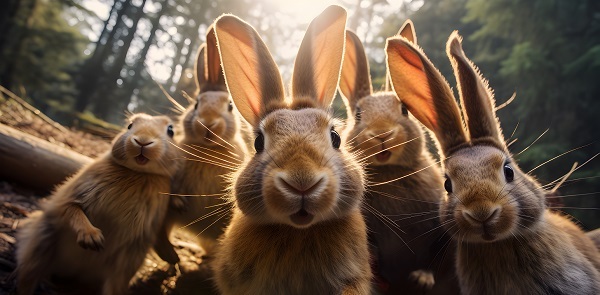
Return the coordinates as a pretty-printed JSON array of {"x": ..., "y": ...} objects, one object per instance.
[
  {"x": 302, "y": 217},
  {"x": 383, "y": 156},
  {"x": 141, "y": 160}
]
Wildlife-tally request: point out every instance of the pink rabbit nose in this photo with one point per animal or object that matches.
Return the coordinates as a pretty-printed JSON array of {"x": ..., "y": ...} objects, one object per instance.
[
  {"x": 143, "y": 143},
  {"x": 481, "y": 216}
]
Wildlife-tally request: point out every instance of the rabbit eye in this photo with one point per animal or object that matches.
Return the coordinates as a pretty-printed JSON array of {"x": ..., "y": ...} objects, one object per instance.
[
  {"x": 230, "y": 106},
  {"x": 404, "y": 111},
  {"x": 336, "y": 140},
  {"x": 448, "y": 184},
  {"x": 130, "y": 125},
  {"x": 259, "y": 142},
  {"x": 509, "y": 173},
  {"x": 357, "y": 116},
  {"x": 170, "y": 131},
  {"x": 196, "y": 106}
]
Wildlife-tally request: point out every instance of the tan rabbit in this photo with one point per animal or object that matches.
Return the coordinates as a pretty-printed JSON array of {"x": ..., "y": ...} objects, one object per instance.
[
  {"x": 211, "y": 131},
  {"x": 402, "y": 213},
  {"x": 508, "y": 241},
  {"x": 297, "y": 226},
  {"x": 98, "y": 226}
]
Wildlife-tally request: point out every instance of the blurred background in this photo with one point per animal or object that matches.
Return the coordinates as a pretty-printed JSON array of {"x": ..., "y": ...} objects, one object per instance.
[{"x": 83, "y": 61}]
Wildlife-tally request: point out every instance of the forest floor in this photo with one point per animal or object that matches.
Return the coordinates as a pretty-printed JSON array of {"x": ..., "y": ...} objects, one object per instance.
[{"x": 191, "y": 275}]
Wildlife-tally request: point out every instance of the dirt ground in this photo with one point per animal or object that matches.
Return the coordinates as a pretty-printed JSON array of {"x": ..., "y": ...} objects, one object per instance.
[{"x": 190, "y": 276}]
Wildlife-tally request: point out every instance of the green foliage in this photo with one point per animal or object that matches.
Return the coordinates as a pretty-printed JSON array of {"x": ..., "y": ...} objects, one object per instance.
[{"x": 46, "y": 55}]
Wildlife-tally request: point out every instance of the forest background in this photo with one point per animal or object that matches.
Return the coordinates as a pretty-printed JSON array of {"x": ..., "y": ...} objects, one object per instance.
[{"x": 96, "y": 60}]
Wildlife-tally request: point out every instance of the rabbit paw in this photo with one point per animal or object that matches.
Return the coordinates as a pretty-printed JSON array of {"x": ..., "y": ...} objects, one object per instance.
[
  {"x": 179, "y": 203},
  {"x": 91, "y": 239},
  {"x": 423, "y": 278}
]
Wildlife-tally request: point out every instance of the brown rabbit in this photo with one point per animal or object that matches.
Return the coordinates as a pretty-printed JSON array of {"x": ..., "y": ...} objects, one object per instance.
[
  {"x": 213, "y": 143},
  {"x": 508, "y": 241},
  {"x": 296, "y": 226},
  {"x": 401, "y": 214},
  {"x": 98, "y": 226}
]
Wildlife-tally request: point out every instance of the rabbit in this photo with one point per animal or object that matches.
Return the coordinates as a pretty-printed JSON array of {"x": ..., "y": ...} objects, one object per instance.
[
  {"x": 213, "y": 143},
  {"x": 508, "y": 241},
  {"x": 296, "y": 226},
  {"x": 394, "y": 147},
  {"x": 98, "y": 226}
]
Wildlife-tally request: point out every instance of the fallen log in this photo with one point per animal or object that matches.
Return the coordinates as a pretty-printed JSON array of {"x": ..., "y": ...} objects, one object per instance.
[{"x": 34, "y": 162}]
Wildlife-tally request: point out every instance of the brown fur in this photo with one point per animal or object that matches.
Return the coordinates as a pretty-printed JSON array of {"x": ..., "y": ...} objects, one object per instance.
[
  {"x": 267, "y": 248},
  {"x": 98, "y": 226},
  {"x": 508, "y": 241},
  {"x": 411, "y": 202},
  {"x": 213, "y": 145}
]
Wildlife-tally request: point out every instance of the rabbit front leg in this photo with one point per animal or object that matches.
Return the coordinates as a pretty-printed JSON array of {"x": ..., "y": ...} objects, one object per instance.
[
  {"x": 88, "y": 236},
  {"x": 163, "y": 247}
]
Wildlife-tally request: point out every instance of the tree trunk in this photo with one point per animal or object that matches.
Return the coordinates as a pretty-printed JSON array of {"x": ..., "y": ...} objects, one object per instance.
[
  {"x": 92, "y": 69},
  {"x": 102, "y": 109},
  {"x": 139, "y": 63},
  {"x": 35, "y": 162}
]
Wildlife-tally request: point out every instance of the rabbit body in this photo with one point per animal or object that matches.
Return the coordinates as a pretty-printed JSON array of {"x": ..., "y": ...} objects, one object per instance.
[
  {"x": 213, "y": 146},
  {"x": 569, "y": 267},
  {"x": 297, "y": 260},
  {"x": 98, "y": 226},
  {"x": 508, "y": 242},
  {"x": 402, "y": 205},
  {"x": 297, "y": 226}
]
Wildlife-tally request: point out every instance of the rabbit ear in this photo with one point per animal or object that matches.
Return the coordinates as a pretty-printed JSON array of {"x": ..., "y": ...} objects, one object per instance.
[
  {"x": 475, "y": 95},
  {"x": 213, "y": 62},
  {"x": 408, "y": 31},
  {"x": 318, "y": 64},
  {"x": 424, "y": 92},
  {"x": 251, "y": 74},
  {"x": 200, "y": 68},
  {"x": 355, "y": 81}
]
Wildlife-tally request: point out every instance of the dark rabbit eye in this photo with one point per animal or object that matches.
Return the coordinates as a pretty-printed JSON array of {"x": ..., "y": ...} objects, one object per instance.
[
  {"x": 357, "y": 116},
  {"x": 130, "y": 125},
  {"x": 259, "y": 142},
  {"x": 230, "y": 106},
  {"x": 170, "y": 131},
  {"x": 448, "y": 184},
  {"x": 404, "y": 111},
  {"x": 509, "y": 173},
  {"x": 196, "y": 106},
  {"x": 336, "y": 141}
]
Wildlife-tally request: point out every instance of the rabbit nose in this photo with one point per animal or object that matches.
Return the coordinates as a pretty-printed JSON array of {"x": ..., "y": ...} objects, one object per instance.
[
  {"x": 301, "y": 188},
  {"x": 484, "y": 216},
  {"x": 381, "y": 134},
  {"x": 142, "y": 142}
]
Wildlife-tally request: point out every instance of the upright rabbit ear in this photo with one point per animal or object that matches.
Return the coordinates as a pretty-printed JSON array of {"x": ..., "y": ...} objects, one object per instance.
[
  {"x": 408, "y": 31},
  {"x": 475, "y": 96},
  {"x": 214, "y": 72},
  {"x": 355, "y": 81},
  {"x": 200, "y": 68},
  {"x": 424, "y": 92},
  {"x": 318, "y": 64},
  {"x": 251, "y": 74}
]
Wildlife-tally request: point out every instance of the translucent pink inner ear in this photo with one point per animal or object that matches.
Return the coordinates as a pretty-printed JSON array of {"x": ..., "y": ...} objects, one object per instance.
[{"x": 410, "y": 82}]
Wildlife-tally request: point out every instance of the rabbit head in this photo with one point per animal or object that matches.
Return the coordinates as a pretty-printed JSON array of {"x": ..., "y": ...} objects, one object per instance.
[
  {"x": 146, "y": 145},
  {"x": 300, "y": 174},
  {"x": 379, "y": 124},
  {"x": 211, "y": 118},
  {"x": 488, "y": 197}
]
